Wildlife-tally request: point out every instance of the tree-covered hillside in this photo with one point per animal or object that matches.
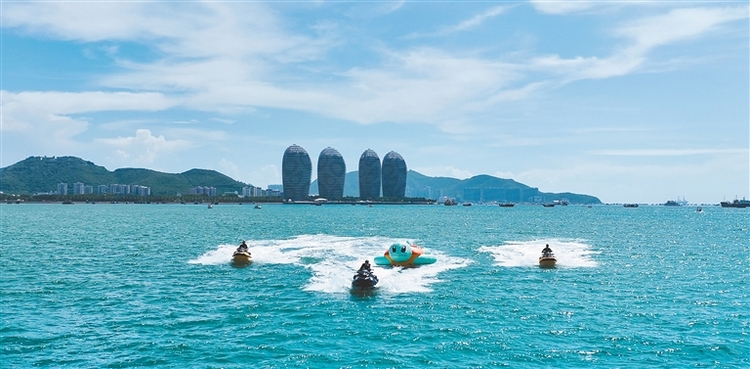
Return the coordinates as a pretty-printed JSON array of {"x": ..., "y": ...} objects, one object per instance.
[{"x": 42, "y": 174}]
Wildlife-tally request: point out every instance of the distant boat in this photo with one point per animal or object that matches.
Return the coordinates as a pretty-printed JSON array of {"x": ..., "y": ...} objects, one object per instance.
[
  {"x": 210, "y": 206},
  {"x": 736, "y": 204},
  {"x": 507, "y": 205},
  {"x": 671, "y": 203},
  {"x": 67, "y": 202},
  {"x": 450, "y": 202},
  {"x": 257, "y": 207},
  {"x": 466, "y": 204},
  {"x": 548, "y": 205},
  {"x": 631, "y": 205}
]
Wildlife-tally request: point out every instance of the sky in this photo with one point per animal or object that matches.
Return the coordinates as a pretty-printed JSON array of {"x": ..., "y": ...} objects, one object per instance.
[{"x": 629, "y": 101}]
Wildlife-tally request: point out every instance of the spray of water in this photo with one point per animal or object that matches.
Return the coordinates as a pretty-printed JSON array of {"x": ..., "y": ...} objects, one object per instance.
[
  {"x": 334, "y": 260},
  {"x": 569, "y": 254}
]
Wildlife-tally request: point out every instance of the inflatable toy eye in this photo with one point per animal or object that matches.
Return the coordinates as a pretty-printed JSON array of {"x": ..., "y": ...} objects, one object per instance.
[
  {"x": 403, "y": 248},
  {"x": 393, "y": 249}
]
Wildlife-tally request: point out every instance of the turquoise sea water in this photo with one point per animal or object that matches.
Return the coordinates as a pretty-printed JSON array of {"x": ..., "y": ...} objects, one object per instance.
[{"x": 116, "y": 286}]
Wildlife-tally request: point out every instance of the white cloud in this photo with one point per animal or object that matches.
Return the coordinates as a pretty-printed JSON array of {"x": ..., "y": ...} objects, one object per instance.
[
  {"x": 222, "y": 120},
  {"x": 668, "y": 152},
  {"x": 506, "y": 175},
  {"x": 234, "y": 57},
  {"x": 199, "y": 135},
  {"x": 51, "y": 120},
  {"x": 444, "y": 171},
  {"x": 267, "y": 175},
  {"x": 467, "y": 24},
  {"x": 144, "y": 146},
  {"x": 644, "y": 35},
  {"x": 562, "y": 6},
  {"x": 479, "y": 19},
  {"x": 678, "y": 25},
  {"x": 229, "y": 168}
]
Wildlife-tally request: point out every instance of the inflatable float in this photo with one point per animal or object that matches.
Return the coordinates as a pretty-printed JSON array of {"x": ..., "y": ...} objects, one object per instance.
[{"x": 404, "y": 254}]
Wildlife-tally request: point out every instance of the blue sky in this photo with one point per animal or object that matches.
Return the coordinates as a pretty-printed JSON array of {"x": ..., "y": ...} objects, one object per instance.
[{"x": 627, "y": 101}]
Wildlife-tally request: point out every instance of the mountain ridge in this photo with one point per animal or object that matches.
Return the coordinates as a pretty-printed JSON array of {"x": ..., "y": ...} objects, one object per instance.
[{"x": 38, "y": 174}]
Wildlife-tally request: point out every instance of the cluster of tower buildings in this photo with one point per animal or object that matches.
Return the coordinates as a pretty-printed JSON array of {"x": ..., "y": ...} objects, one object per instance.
[
  {"x": 79, "y": 188},
  {"x": 203, "y": 190},
  {"x": 296, "y": 173}
]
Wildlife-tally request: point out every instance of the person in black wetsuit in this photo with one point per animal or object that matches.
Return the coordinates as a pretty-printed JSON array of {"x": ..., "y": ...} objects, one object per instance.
[
  {"x": 365, "y": 267},
  {"x": 242, "y": 247},
  {"x": 547, "y": 251}
]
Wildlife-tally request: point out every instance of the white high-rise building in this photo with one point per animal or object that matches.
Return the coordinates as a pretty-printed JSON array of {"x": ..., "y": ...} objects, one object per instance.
[{"x": 78, "y": 188}]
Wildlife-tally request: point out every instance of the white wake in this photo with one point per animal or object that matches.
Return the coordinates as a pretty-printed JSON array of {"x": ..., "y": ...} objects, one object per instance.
[
  {"x": 334, "y": 260},
  {"x": 569, "y": 254}
]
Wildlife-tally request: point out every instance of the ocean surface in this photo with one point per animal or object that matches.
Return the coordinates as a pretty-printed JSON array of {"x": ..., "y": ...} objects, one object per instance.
[{"x": 132, "y": 286}]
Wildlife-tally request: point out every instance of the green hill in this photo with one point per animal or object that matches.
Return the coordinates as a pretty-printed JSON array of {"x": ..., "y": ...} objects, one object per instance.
[{"x": 42, "y": 174}]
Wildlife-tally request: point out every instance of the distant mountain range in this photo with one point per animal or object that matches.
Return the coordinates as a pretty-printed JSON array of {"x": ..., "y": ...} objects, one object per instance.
[{"x": 42, "y": 174}]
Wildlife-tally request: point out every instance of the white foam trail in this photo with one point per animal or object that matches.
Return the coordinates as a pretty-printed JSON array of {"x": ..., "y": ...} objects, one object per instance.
[
  {"x": 223, "y": 254},
  {"x": 334, "y": 260},
  {"x": 569, "y": 254}
]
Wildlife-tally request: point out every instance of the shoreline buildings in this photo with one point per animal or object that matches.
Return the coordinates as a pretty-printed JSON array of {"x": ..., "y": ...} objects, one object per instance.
[{"x": 79, "y": 188}]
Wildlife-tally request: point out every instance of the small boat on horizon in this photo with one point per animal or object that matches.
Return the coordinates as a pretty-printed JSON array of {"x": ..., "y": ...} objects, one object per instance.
[
  {"x": 736, "y": 204},
  {"x": 630, "y": 205},
  {"x": 507, "y": 205}
]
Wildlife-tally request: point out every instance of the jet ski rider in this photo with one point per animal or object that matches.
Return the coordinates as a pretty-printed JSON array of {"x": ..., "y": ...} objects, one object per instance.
[
  {"x": 365, "y": 267},
  {"x": 547, "y": 250},
  {"x": 242, "y": 247}
]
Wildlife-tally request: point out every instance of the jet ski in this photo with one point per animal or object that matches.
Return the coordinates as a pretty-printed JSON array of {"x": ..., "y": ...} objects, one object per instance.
[
  {"x": 364, "y": 280},
  {"x": 242, "y": 258},
  {"x": 547, "y": 260}
]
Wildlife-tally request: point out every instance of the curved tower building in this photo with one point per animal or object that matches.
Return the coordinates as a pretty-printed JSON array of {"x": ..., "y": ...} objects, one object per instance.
[
  {"x": 369, "y": 175},
  {"x": 331, "y": 173},
  {"x": 394, "y": 176},
  {"x": 296, "y": 170}
]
